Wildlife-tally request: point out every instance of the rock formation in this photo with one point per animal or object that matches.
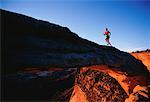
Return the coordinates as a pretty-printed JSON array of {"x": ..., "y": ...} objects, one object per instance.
[
  {"x": 102, "y": 83},
  {"x": 144, "y": 56},
  {"x": 44, "y": 61}
]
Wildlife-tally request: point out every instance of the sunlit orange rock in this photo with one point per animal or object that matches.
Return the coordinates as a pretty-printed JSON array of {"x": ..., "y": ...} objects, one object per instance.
[
  {"x": 100, "y": 83},
  {"x": 78, "y": 95},
  {"x": 144, "y": 56}
]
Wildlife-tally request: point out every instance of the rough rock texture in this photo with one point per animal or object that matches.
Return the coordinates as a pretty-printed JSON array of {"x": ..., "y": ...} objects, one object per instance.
[
  {"x": 40, "y": 61},
  {"x": 139, "y": 94},
  {"x": 144, "y": 56},
  {"x": 100, "y": 87},
  {"x": 102, "y": 84}
]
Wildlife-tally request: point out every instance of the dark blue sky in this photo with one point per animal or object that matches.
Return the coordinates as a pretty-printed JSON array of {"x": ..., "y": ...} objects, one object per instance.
[{"x": 127, "y": 20}]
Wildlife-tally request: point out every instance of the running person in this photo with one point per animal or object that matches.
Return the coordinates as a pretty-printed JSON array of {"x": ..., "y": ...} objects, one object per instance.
[{"x": 107, "y": 34}]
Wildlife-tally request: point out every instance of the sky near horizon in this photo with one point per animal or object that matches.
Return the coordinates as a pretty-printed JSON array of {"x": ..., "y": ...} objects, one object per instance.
[{"x": 127, "y": 20}]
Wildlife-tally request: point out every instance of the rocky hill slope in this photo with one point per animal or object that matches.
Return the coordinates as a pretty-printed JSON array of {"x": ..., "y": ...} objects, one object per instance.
[
  {"x": 30, "y": 42},
  {"x": 44, "y": 61},
  {"x": 144, "y": 56}
]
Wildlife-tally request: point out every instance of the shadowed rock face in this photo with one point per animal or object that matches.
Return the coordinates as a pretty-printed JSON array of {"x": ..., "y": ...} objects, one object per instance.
[
  {"x": 37, "y": 85},
  {"x": 31, "y": 47},
  {"x": 29, "y": 42}
]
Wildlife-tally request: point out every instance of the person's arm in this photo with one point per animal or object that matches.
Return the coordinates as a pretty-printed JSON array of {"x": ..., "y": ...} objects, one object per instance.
[{"x": 109, "y": 33}]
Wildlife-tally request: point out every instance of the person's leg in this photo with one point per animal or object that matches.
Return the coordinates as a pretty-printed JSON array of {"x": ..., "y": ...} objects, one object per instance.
[
  {"x": 106, "y": 41},
  {"x": 109, "y": 42}
]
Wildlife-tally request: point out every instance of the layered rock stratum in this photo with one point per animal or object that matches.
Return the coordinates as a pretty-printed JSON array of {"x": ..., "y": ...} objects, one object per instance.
[{"x": 44, "y": 61}]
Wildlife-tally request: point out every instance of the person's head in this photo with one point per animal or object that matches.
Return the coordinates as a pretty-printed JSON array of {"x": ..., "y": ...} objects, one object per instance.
[{"x": 106, "y": 29}]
